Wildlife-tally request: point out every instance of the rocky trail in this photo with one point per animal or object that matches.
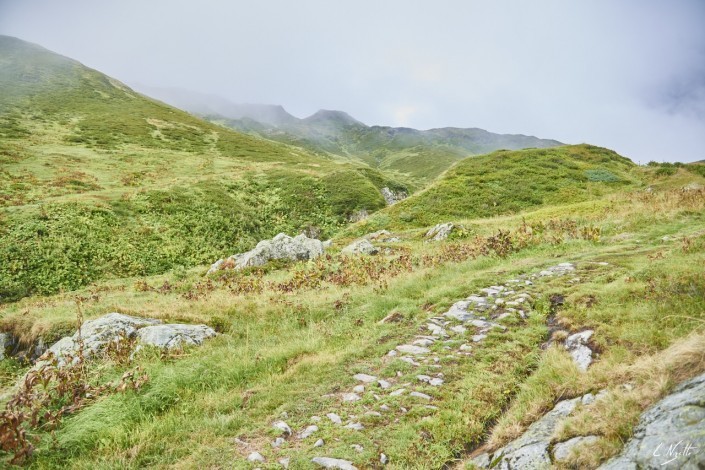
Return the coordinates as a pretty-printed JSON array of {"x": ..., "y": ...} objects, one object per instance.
[{"x": 441, "y": 342}]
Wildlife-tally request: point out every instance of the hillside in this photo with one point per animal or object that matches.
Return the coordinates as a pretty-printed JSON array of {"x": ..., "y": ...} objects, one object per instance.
[
  {"x": 415, "y": 155},
  {"x": 97, "y": 180},
  {"x": 506, "y": 182}
]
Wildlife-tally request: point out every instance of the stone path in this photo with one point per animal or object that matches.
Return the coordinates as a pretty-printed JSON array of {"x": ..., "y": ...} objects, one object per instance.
[{"x": 449, "y": 336}]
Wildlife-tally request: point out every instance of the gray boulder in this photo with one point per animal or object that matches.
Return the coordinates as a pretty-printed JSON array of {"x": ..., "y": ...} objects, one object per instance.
[
  {"x": 328, "y": 462},
  {"x": 670, "y": 434},
  {"x": 97, "y": 334},
  {"x": 577, "y": 346},
  {"x": 282, "y": 246},
  {"x": 174, "y": 335},
  {"x": 360, "y": 247},
  {"x": 440, "y": 231}
]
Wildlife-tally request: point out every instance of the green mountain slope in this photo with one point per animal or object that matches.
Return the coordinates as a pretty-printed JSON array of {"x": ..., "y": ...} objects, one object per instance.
[
  {"x": 97, "y": 180},
  {"x": 510, "y": 181}
]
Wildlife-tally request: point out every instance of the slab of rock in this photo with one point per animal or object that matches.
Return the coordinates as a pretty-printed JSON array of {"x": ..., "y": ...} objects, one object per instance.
[
  {"x": 282, "y": 246},
  {"x": 335, "y": 419},
  {"x": 96, "y": 334},
  {"x": 440, "y": 231},
  {"x": 562, "y": 450},
  {"x": 308, "y": 431},
  {"x": 670, "y": 434},
  {"x": 174, "y": 335},
  {"x": 360, "y": 247},
  {"x": 531, "y": 449},
  {"x": 365, "y": 378},
  {"x": 411, "y": 349},
  {"x": 328, "y": 462},
  {"x": 577, "y": 346},
  {"x": 392, "y": 197}
]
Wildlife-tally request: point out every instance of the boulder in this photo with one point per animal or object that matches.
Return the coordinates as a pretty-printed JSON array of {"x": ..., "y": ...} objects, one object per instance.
[
  {"x": 392, "y": 197},
  {"x": 440, "y": 231},
  {"x": 577, "y": 346},
  {"x": 282, "y": 246},
  {"x": 670, "y": 434},
  {"x": 174, "y": 335},
  {"x": 97, "y": 334},
  {"x": 328, "y": 462},
  {"x": 360, "y": 247}
]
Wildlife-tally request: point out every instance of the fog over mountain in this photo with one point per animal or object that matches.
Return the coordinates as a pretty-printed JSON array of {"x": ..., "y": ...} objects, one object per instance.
[{"x": 626, "y": 75}]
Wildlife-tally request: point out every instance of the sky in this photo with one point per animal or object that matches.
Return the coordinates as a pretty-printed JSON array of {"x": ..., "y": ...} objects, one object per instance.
[{"x": 623, "y": 74}]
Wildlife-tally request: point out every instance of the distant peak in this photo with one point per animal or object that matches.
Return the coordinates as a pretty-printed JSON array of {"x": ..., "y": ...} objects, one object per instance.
[{"x": 329, "y": 115}]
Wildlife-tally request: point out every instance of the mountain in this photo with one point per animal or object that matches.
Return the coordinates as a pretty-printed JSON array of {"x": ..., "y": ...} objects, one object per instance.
[
  {"x": 415, "y": 155},
  {"x": 98, "y": 181}
]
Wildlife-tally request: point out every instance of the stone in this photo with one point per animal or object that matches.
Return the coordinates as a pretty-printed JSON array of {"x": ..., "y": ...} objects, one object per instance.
[
  {"x": 562, "y": 450},
  {"x": 351, "y": 397},
  {"x": 174, "y": 335},
  {"x": 365, "y": 378},
  {"x": 357, "y": 447},
  {"x": 378, "y": 234},
  {"x": 670, "y": 434},
  {"x": 467, "y": 347},
  {"x": 577, "y": 346},
  {"x": 424, "y": 378},
  {"x": 282, "y": 246},
  {"x": 328, "y": 462},
  {"x": 255, "y": 457},
  {"x": 436, "y": 382},
  {"x": 440, "y": 231},
  {"x": 383, "y": 459},
  {"x": 97, "y": 334},
  {"x": 478, "y": 338},
  {"x": 354, "y": 426},
  {"x": 383, "y": 384},
  {"x": 392, "y": 197},
  {"x": 531, "y": 449},
  {"x": 359, "y": 389},
  {"x": 278, "y": 442},
  {"x": 283, "y": 427},
  {"x": 460, "y": 329},
  {"x": 308, "y": 431},
  {"x": 315, "y": 419},
  {"x": 284, "y": 462},
  {"x": 420, "y": 395},
  {"x": 360, "y": 247},
  {"x": 335, "y": 419},
  {"x": 411, "y": 349},
  {"x": 423, "y": 342},
  {"x": 373, "y": 413},
  {"x": 459, "y": 311},
  {"x": 319, "y": 443},
  {"x": 397, "y": 392}
]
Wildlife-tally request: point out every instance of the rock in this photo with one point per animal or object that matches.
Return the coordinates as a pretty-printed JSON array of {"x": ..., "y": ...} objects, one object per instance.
[
  {"x": 319, "y": 443},
  {"x": 383, "y": 384},
  {"x": 315, "y": 419},
  {"x": 392, "y": 197},
  {"x": 334, "y": 418},
  {"x": 351, "y": 397},
  {"x": 423, "y": 342},
  {"x": 6, "y": 342},
  {"x": 383, "y": 459},
  {"x": 96, "y": 335},
  {"x": 440, "y": 231},
  {"x": 478, "y": 338},
  {"x": 467, "y": 347},
  {"x": 327, "y": 244},
  {"x": 670, "y": 434},
  {"x": 278, "y": 442},
  {"x": 459, "y": 329},
  {"x": 308, "y": 431},
  {"x": 284, "y": 462},
  {"x": 424, "y": 378},
  {"x": 693, "y": 187},
  {"x": 562, "y": 450},
  {"x": 365, "y": 378},
  {"x": 282, "y": 246},
  {"x": 328, "y": 462},
  {"x": 283, "y": 427},
  {"x": 174, "y": 335},
  {"x": 436, "y": 330},
  {"x": 576, "y": 344},
  {"x": 397, "y": 392},
  {"x": 378, "y": 234},
  {"x": 255, "y": 457},
  {"x": 357, "y": 216},
  {"x": 420, "y": 395},
  {"x": 359, "y": 389},
  {"x": 411, "y": 349},
  {"x": 436, "y": 382},
  {"x": 354, "y": 426},
  {"x": 360, "y": 247},
  {"x": 357, "y": 447},
  {"x": 530, "y": 450}
]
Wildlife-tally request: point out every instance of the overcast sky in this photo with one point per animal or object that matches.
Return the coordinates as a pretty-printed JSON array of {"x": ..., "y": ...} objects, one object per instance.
[{"x": 629, "y": 75}]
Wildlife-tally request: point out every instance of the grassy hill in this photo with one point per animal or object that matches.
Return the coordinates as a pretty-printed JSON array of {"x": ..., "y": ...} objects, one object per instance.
[
  {"x": 97, "y": 180},
  {"x": 505, "y": 182}
]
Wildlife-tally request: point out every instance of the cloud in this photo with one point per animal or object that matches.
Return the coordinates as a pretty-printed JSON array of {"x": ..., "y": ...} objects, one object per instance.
[{"x": 624, "y": 75}]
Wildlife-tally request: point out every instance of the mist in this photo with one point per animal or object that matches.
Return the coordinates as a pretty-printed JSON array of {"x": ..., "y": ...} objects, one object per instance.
[{"x": 627, "y": 75}]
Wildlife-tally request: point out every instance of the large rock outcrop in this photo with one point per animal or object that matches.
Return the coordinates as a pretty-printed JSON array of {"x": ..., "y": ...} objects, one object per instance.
[
  {"x": 97, "y": 334},
  {"x": 670, "y": 434},
  {"x": 392, "y": 197},
  {"x": 282, "y": 246}
]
